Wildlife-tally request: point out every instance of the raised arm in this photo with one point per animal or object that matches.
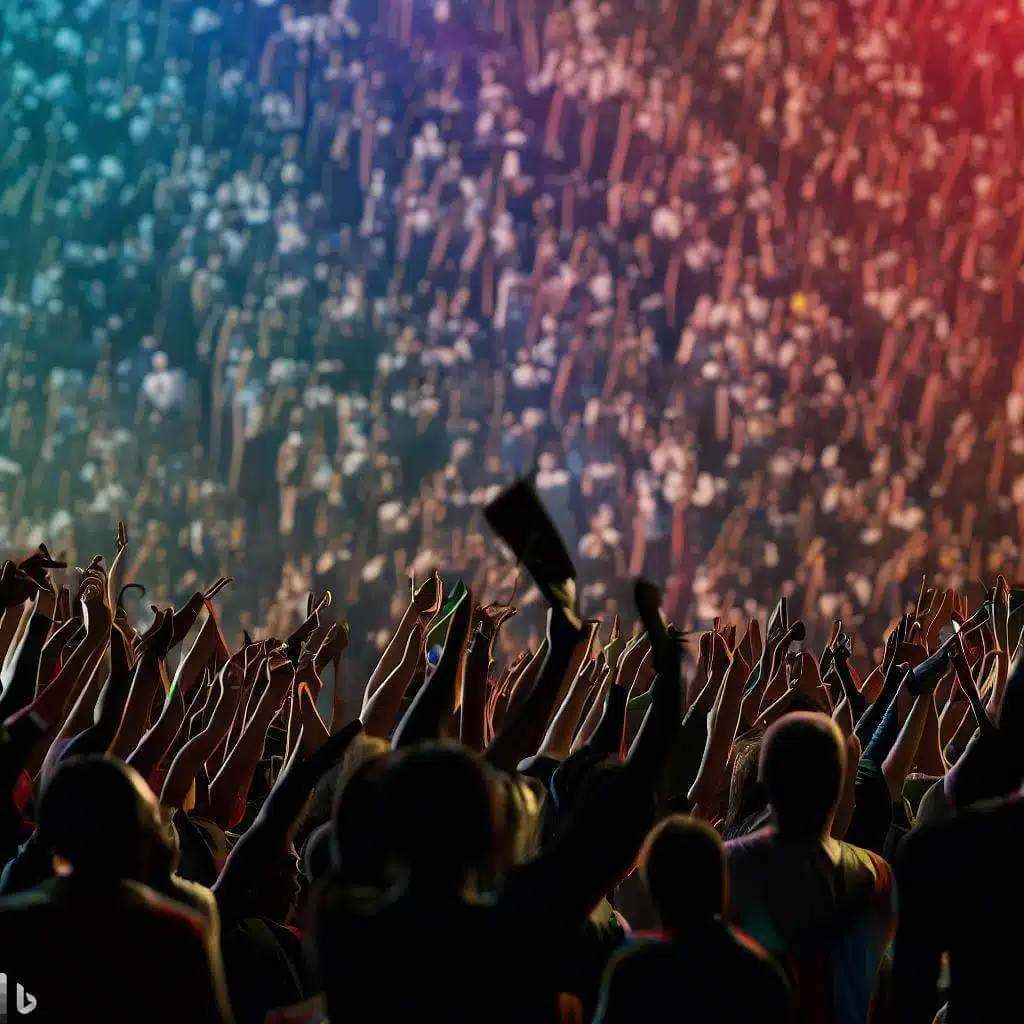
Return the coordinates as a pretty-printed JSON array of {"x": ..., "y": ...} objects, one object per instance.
[
  {"x": 109, "y": 705},
  {"x": 147, "y": 680},
  {"x": 900, "y": 759},
  {"x": 525, "y": 724},
  {"x": 20, "y": 688},
  {"x": 598, "y": 710},
  {"x": 99, "y": 618},
  {"x": 601, "y": 840},
  {"x": 424, "y": 605},
  {"x": 431, "y": 708},
  {"x": 521, "y": 685},
  {"x": 229, "y": 789},
  {"x": 380, "y": 712},
  {"x": 270, "y": 833},
  {"x": 557, "y": 741},
  {"x": 473, "y": 709},
  {"x": 722, "y": 723},
  {"x": 197, "y": 751}
]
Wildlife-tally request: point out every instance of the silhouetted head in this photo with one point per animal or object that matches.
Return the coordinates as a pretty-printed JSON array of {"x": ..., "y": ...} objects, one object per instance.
[
  {"x": 802, "y": 761},
  {"x": 100, "y": 819},
  {"x": 357, "y": 844},
  {"x": 683, "y": 866},
  {"x": 438, "y": 808}
]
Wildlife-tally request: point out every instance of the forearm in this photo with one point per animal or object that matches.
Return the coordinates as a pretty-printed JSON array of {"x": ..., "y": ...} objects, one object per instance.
[
  {"x": 97, "y": 738},
  {"x": 135, "y": 721},
  {"x": 874, "y": 713},
  {"x": 84, "y": 708},
  {"x": 843, "y": 717},
  {"x": 750, "y": 706},
  {"x": 607, "y": 739},
  {"x": 657, "y": 734},
  {"x": 929, "y": 756},
  {"x": 775, "y": 712},
  {"x": 473, "y": 712},
  {"x": 721, "y": 733},
  {"x": 522, "y": 686},
  {"x": 775, "y": 689},
  {"x": 191, "y": 668},
  {"x": 194, "y": 754},
  {"x": 432, "y": 707},
  {"x": 50, "y": 703},
  {"x": 65, "y": 639},
  {"x": 685, "y": 758},
  {"x": 20, "y": 691},
  {"x": 900, "y": 759},
  {"x": 526, "y": 724},
  {"x": 557, "y": 741},
  {"x": 314, "y": 732},
  {"x": 393, "y": 654},
  {"x": 230, "y": 787},
  {"x": 858, "y": 704},
  {"x": 995, "y": 694},
  {"x": 381, "y": 711},
  {"x": 598, "y": 711},
  {"x": 9, "y": 623},
  {"x": 15, "y": 642},
  {"x": 153, "y": 746}
]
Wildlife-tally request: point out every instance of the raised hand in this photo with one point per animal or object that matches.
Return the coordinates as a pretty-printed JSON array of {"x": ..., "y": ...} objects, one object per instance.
[
  {"x": 186, "y": 618},
  {"x": 16, "y": 586},
  {"x": 492, "y": 617},
  {"x": 334, "y": 645},
  {"x": 39, "y": 564},
  {"x": 427, "y": 599},
  {"x": 487, "y": 621},
  {"x": 1001, "y": 614},
  {"x": 155, "y": 643},
  {"x": 93, "y": 599}
]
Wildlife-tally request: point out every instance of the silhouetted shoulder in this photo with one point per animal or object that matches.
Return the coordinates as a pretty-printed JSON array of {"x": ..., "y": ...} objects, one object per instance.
[
  {"x": 176, "y": 918},
  {"x": 991, "y": 821},
  {"x": 634, "y": 982},
  {"x": 761, "y": 965},
  {"x": 753, "y": 948}
]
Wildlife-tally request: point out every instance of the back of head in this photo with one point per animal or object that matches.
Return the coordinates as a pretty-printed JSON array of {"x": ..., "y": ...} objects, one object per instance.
[
  {"x": 683, "y": 867},
  {"x": 94, "y": 814},
  {"x": 802, "y": 762},
  {"x": 438, "y": 808},
  {"x": 356, "y": 842}
]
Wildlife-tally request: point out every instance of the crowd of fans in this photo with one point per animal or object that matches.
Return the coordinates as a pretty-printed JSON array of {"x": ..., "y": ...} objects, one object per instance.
[
  {"x": 626, "y": 825},
  {"x": 725, "y": 274},
  {"x": 293, "y": 294}
]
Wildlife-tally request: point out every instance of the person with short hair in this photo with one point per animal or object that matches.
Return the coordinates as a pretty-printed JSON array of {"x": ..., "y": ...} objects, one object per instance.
[
  {"x": 822, "y": 907},
  {"x": 697, "y": 957},
  {"x": 95, "y": 942}
]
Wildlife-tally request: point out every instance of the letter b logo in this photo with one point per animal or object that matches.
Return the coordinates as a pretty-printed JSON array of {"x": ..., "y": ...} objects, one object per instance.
[{"x": 26, "y": 1001}]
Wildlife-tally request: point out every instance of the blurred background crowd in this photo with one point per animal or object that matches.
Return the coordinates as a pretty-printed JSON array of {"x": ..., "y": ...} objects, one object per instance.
[{"x": 293, "y": 290}]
